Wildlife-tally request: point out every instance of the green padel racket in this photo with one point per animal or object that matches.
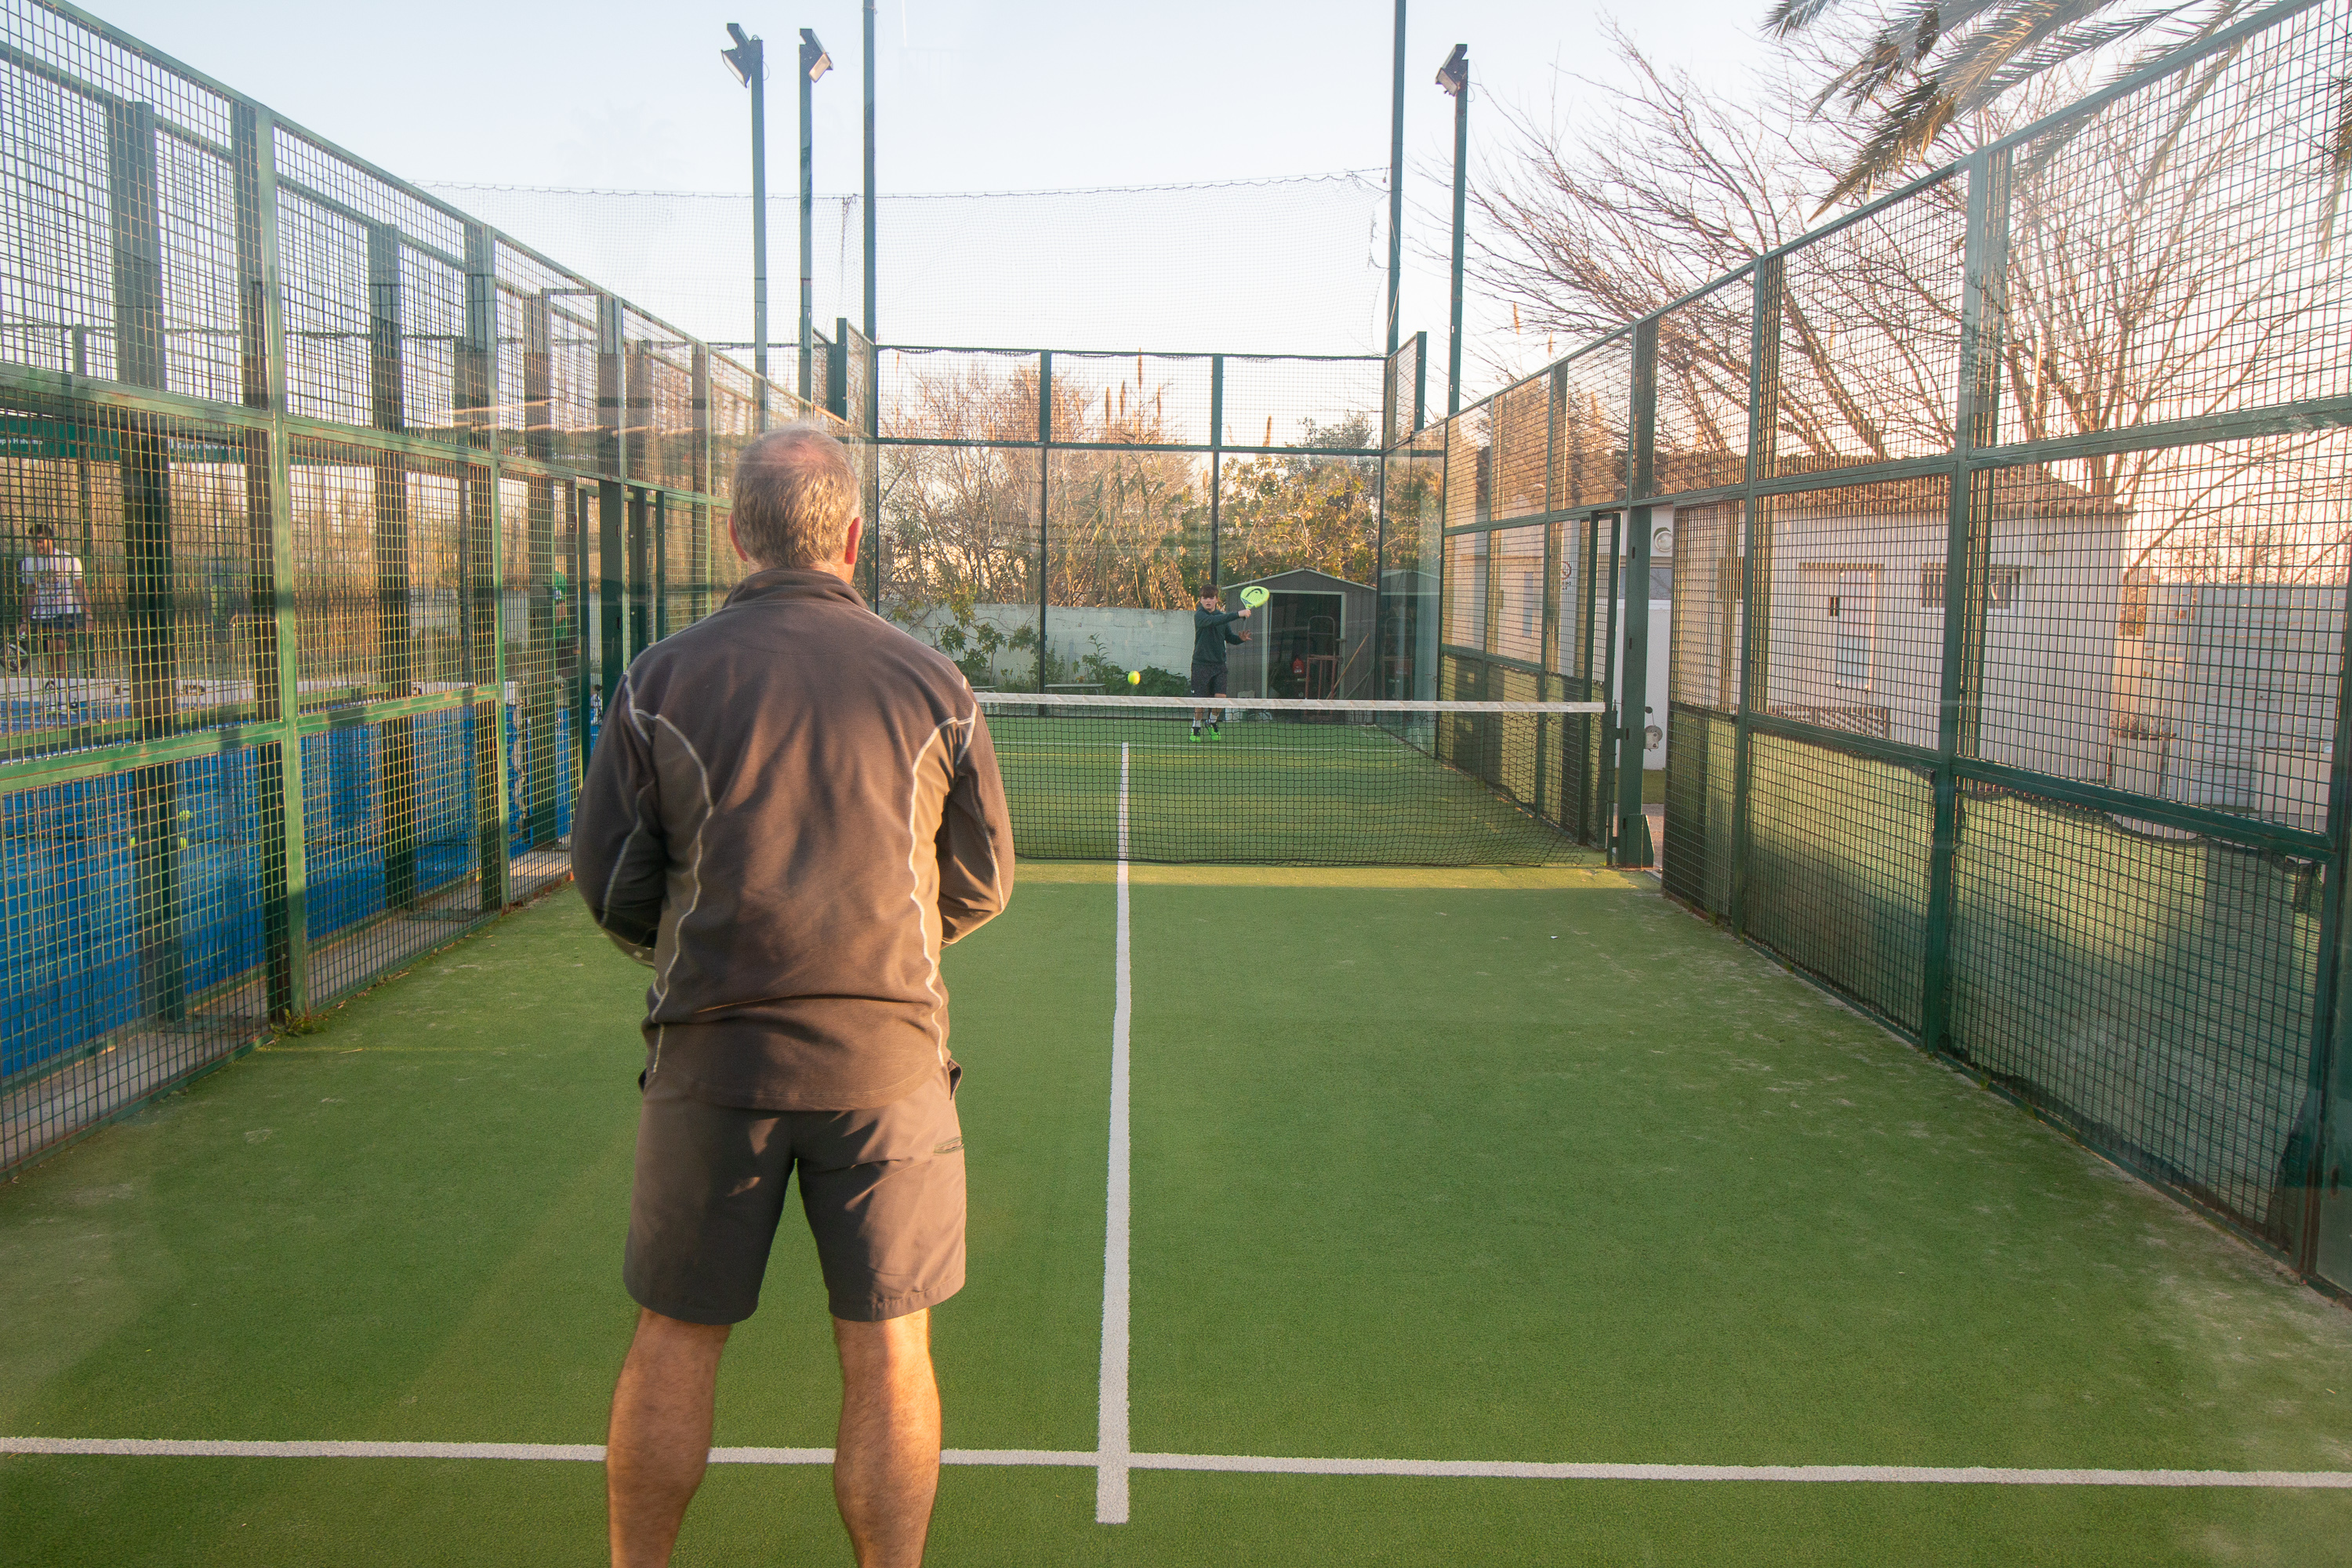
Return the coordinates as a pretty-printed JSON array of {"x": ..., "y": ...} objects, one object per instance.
[{"x": 1254, "y": 596}]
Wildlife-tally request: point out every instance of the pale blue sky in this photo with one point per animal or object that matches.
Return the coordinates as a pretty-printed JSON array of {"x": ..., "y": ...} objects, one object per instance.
[{"x": 973, "y": 95}]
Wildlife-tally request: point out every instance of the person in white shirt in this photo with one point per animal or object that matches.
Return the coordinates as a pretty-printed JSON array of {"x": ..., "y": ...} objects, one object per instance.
[{"x": 55, "y": 604}]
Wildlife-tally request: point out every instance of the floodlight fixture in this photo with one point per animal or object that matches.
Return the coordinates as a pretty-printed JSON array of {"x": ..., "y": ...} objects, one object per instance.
[
  {"x": 815, "y": 62},
  {"x": 744, "y": 58},
  {"x": 1454, "y": 76}
]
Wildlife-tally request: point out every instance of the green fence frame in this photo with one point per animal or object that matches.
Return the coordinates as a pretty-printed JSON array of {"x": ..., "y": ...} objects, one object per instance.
[{"x": 1729, "y": 825}]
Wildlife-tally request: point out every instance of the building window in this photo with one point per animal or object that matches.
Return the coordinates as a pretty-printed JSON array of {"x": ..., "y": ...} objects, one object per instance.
[{"x": 2005, "y": 586}]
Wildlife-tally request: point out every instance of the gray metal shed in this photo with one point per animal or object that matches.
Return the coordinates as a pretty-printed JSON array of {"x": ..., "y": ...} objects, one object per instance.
[{"x": 1313, "y": 639}]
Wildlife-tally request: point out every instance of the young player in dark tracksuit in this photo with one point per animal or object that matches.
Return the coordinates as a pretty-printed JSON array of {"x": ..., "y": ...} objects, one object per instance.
[{"x": 1212, "y": 630}]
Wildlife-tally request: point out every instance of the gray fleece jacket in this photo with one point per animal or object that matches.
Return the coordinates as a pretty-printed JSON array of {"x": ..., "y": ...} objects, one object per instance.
[{"x": 792, "y": 806}]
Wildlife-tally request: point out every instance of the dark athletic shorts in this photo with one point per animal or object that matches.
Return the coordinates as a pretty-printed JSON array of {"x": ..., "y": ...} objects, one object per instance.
[
  {"x": 883, "y": 1190},
  {"x": 56, "y": 626},
  {"x": 1207, "y": 680}
]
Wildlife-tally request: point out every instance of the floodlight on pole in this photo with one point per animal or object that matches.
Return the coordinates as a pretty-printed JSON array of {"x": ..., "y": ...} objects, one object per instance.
[
  {"x": 1454, "y": 76},
  {"x": 815, "y": 63},
  {"x": 748, "y": 59}
]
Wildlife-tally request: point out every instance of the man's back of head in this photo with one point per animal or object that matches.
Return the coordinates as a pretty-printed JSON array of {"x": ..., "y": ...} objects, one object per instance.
[{"x": 795, "y": 497}]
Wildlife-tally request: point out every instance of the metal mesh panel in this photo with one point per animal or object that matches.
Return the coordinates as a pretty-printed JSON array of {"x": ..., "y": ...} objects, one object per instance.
[
  {"x": 1702, "y": 409},
  {"x": 2154, "y": 993},
  {"x": 1292, "y": 402},
  {"x": 1401, "y": 393},
  {"x": 2172, "y": 622},
  {"x": 961, "y": 555},
  {"x": 1516, "y": 579},
  {"x": 1522, "y": 451},
  {"x": 2179, "y": 253},
  {"x": 1129, "y": 530},
  {"x": 1838, "y": 868},
  {"x": 1695, "y": 859},
  {"x": 324, "y": 262},
  {"x": 1144, "y": 399},
  {"x": 130, "y": 577},
  {"x": 1869, "y": 337},
  {"x": 953, "y": 395},
  {"x": 1412, "y": 515},
  {"x": 133, "y": 911},
  {"x": 534, "y": 625},
  {"x": 1465, "y": 590},
  {"x": 1709, "y": 623},
  {"x": 1854, "y": 647},
  {"x": 1468, "y": 474},
  {"x": 388, "y": 847},
  {"x": 1595, "y": 394}
]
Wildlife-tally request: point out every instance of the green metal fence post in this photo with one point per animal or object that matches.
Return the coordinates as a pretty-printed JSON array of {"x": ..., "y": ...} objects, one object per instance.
[
  {"x": 1216, "y": 460},
  {"x": 485, "y": 553},
  {"x": 612, "y": 573},
  {"x": 1756, "y": 566},
  {"x": 705, "y": 534},
  {"x": 1968, "y": 539},
  {"x": 1613, "y": 718},
  {"x": 273, "y": 637},
  {"x": 1044, "y": 543},
  {"x": 549, "y": 662},
  {"x": 396, "y": 668},
  {"x": 135, "y": 230},
  {"x": 1632, "y": 839}
]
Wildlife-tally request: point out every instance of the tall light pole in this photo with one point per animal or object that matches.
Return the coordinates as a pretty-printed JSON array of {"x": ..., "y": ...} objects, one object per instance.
[
  {"x": 1454, "y": 76},
  {"x": 748, "y": 59},
  {"x": 869, "y": 169},
  {"x": 1396, "y": 179},
  {"x": 815, "y": 63}
]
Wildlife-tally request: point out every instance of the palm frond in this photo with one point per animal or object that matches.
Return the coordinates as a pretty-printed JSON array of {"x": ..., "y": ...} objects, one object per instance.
[
  {"x": 2339, "y": 163},
  {"x": 1924, "y": 65}
]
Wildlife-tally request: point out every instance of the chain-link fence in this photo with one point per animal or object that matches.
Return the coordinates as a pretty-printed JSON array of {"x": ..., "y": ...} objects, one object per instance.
[
  {"x": 2008, "y": 520},
  {"x": 334, "y": 517}
]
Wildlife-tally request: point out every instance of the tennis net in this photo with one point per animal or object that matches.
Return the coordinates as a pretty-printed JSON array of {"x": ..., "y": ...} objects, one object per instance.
[{"x": 1291, "y": 782}]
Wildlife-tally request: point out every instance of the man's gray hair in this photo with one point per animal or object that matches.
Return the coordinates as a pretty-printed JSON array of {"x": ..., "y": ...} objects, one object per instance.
[{"x": 795, "y": 494}]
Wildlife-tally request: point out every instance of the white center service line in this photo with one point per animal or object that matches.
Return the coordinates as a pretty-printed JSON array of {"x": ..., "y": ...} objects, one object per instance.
[
  {"x": 1111, "y": 1434},
  {"x": 1246, "y": 1464}
]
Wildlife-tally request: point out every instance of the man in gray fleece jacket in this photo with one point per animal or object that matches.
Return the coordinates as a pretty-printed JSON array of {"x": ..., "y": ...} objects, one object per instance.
[{"x": 792, "y": 806}]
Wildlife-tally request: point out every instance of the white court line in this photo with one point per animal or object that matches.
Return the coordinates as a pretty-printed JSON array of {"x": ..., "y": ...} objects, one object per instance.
[
  {"x": 1111, "y": 1434},
  {"x": 1246, "y": 1464}
]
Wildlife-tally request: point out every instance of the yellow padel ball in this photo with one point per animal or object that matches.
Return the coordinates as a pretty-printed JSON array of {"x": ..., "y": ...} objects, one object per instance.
[{"x": 1134, "y": 678}]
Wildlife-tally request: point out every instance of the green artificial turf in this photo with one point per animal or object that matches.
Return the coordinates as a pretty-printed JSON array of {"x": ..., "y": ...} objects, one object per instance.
[
  {"x": 1270, "y": 794},
  {"x": 1411, "y": 1179}
]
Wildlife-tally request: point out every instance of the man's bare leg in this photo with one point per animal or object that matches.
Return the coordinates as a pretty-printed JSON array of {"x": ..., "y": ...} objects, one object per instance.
[
  {"x": 661, "y": 1437},
  {"x": 886, "y": 1461}
]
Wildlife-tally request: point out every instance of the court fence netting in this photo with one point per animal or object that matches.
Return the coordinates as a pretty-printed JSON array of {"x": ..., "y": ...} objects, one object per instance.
[
  {"x": 336, "y": 515},
  {"x": 2007, "y": 520},
  {"x": 2003, "y": 519}
]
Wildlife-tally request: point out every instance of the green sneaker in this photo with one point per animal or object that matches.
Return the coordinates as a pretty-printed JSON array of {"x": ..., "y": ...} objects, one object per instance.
[
  {"x": 1212, "y": 733},
  {"x": 1196, "y": 737}
]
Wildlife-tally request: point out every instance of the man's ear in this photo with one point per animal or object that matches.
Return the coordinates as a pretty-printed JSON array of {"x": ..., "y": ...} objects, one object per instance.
[
  {"x": 736, "y": 540},
  {"x": 849, "y": 544}
]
